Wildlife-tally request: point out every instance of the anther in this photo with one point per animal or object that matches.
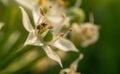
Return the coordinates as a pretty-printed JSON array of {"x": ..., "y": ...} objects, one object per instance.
[
  {"x": 70, "y": 29},
  {"x": 62, "y": 34},
  {"x": 50, "y": 6},
  {"x": 44, "y": 24},
  {"x": 50, "y": 27},
  {"x": 39, "y": 27},
  {"x": 41, "y": 11}
]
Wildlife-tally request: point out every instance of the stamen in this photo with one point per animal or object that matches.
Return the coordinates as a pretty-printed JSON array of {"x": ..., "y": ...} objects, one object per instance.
[
  {"x": 44, "y": 20},
  {"x": 63, "y": 18},
  {"x": 39, "y": 27},
  {"x": 50, "y": 6},
  {"x": 60, "y": 35},
  {"x": 70, "y": 29},
  {"x": 44, "y": 24},
  {"x": 41, "y": 18},
  {"x": 41, "y": 11},
  {"x": 50, "y": 27}
]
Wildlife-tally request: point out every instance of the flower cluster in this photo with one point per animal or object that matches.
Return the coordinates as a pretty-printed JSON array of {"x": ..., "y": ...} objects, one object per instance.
[{"x": 51, "y": 18}]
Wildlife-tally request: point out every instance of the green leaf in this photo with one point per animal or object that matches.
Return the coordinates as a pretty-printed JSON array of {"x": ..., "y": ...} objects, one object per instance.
[{"x": 48, "y": 37}]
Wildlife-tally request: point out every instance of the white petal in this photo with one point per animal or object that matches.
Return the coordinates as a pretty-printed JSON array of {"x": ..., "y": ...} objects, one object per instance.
[
  {"x": 65, "y": 45},
  {"x": 55, "y": 19},
  {"x": 74, "y": 65},
  {"x": 28, "y": 3},
  {"x": 26, "y": 21},
  {"x": 33, "y": 40},
  {"x": 36, "y": 16},
  {"x": 51, "y": 54}
]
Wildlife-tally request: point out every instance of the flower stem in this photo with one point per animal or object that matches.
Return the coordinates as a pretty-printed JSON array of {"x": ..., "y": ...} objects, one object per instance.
[
  {"x": 28, "y": 66},
  {"x": 7, "y": 61}
]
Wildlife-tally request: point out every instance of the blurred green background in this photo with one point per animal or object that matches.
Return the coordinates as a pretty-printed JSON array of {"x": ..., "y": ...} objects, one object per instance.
[{"x": 102, "y": 57}]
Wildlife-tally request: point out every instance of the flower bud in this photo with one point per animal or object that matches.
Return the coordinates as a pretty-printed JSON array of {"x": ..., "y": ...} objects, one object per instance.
[{"x": 85, "y": 34}]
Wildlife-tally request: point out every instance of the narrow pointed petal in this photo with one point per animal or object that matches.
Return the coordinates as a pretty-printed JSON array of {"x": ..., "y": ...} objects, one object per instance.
[
  {"x": 74, "y": 65},
  {"x": 30, "y": 4},
  {"x": 26, "y": 22},
  {"x": 36, "y": 16},
  {"x": 33, "y": 40},
  {"x": 65, "y": 45},
  {"x": 51, "y": 54},
  {"x": 55, "y": 19}
]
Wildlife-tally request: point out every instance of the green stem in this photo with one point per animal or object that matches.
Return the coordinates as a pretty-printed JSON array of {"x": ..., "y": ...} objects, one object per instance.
[
  {"x": 28, "y": 66},
  {"x": 12, "y": 57}
]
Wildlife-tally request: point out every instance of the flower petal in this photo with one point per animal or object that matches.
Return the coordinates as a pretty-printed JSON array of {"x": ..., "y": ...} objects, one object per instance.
[
  {"x": 26, "y": 22},
  {"x": 51, "y": 54},
  {"x": 36, "y": 16},
  {"x": 55, "y": 19},
  {"x": 74, "y": 65},
  {"x": 65, "y": 45},
  {"x": 30, "y": 4},
  {"x": 33, "y": 40}
]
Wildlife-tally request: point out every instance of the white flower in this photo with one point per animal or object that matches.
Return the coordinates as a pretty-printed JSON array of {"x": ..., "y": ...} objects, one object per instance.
[
  {"x": 85, "y": 34},
  {"x": 73, "y": 66},
  {"x": 42, "y": 36},
  {"x": 54, "y": 13}
]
